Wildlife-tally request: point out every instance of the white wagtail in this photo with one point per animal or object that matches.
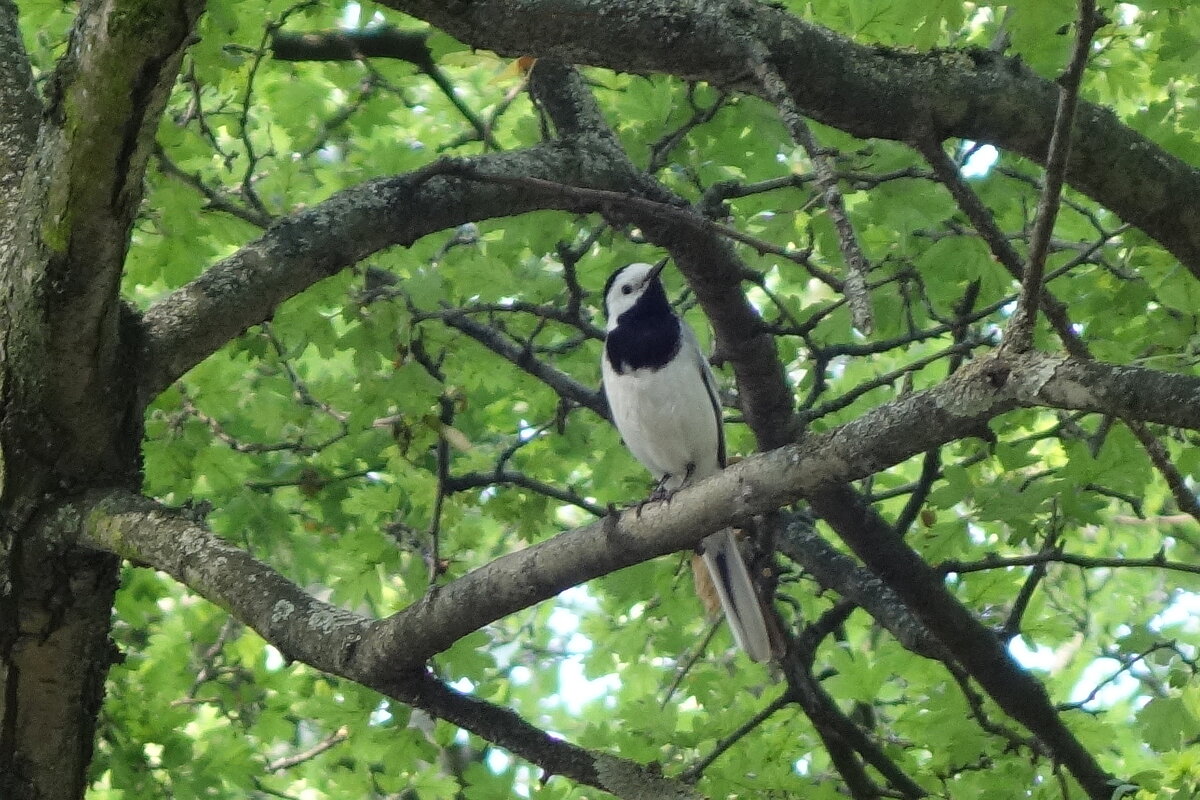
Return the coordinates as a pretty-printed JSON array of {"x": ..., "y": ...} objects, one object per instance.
[{"x": 664, "y": 402}]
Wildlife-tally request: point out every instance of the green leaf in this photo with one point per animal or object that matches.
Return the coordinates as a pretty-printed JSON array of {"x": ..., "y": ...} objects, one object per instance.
[{"x": 1166, "y": 723}]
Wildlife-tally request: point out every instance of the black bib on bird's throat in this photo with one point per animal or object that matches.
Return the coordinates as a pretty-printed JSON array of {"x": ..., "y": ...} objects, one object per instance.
[{"x": 647, "y": 336}]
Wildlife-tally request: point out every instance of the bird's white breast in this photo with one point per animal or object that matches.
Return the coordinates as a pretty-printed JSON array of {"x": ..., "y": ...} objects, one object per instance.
[{"x": 666, "y": 418}]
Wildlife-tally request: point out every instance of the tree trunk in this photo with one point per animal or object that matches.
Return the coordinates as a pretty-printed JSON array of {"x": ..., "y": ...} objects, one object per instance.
[{"x": 71, "y": 175}]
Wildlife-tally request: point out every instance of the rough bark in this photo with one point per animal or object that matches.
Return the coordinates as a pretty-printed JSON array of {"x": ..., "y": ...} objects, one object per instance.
[{"x": 19, "y": 111}]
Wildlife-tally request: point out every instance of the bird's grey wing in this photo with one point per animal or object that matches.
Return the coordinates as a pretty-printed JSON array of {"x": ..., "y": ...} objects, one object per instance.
[{"x": 710, "y": 383}]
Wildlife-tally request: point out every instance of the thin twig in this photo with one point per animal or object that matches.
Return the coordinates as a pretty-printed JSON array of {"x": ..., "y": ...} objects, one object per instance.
[
  {"x": 606, "y": 197},
  {"x": 857, "y": 265},
  {"x": 328, "y": 743},
  {"x": 889, "y": 378},
  {"x": 660, "y": 151},
  {"x": 1019, "y": 335},
  {"x": 1184, "y": 496},
  {"x": 1073, "y": 559},
  {"x": 1129, "y": 661},
  {"x": 984, "y": 223},
  {"x": 685, "y": 666},
  {"x": 693, "y": 772},
  {"x": 433, "y": 366},
  {"x": 215, "y": 199},
  {"x": 1012, "y": 625},
  {"x": 504, "y": 477},
  {"x": 231, "y": 626},
  {"x": 975, "y": 702}
]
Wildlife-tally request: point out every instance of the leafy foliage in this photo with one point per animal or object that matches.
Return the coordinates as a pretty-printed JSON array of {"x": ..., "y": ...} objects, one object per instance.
[{"x": 325, "y": 441}]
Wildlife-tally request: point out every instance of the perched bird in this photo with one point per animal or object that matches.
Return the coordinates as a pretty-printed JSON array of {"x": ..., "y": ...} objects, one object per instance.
[{"x": 664, "y": 402}]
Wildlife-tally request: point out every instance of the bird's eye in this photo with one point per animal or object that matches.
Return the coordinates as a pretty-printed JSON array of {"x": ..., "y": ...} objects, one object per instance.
[{"x": 627, "y": 289}]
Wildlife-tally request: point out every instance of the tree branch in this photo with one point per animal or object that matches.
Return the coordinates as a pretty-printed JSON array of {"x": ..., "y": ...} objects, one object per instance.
[
  {"x": 328, "y": 743},
  {"x": 1019, "y": 333},
  {"x": 506, "y": 477},
  {"x": 380, "y": 41},
  {"x": 845, "y": 741},
  {"x": 216, "y": 199},
  {"x": 329, "y": 638},
  {"x": 835, "y": 570},
  {"x": 696, "y": 769},
  {"x": 297, "y": 251},
  {"x": 977, "y": 648},
  {"x": 1056, "y": 557},
  {"x": 563, "y": 384},
  {"x": 882, "y": 437},
  {"x": 857, "y": 266}
]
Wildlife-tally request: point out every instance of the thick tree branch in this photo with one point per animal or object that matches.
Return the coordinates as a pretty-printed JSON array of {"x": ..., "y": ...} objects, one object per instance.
[
  {"x": 869, "y": 91},
  {"x": 617, "y": 776},
  {"x": 833, "y": 569},
  {"x": 885, "y": 436},
  {"x": 244, "y": 289},
  {"x": 325, "y": 636},
  {"x": 353, "y": 45},
  {"x": 849, "y": 747}
]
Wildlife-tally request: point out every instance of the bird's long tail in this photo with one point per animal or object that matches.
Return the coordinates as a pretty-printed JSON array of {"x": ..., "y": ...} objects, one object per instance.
[{"x": 739, "y": 601}]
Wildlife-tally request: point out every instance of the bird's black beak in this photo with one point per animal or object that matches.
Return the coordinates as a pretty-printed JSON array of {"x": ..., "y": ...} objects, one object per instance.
[{"x": 657, "y": 269}]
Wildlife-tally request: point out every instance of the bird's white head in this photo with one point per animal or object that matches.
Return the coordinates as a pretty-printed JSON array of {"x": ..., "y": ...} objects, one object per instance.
[{"x": 626, "y": 286}]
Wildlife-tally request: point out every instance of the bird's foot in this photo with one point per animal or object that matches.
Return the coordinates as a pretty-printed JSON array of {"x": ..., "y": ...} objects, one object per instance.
[
  {"x": 660, "y": 493},
  {"x": 642, "y": 504}
]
